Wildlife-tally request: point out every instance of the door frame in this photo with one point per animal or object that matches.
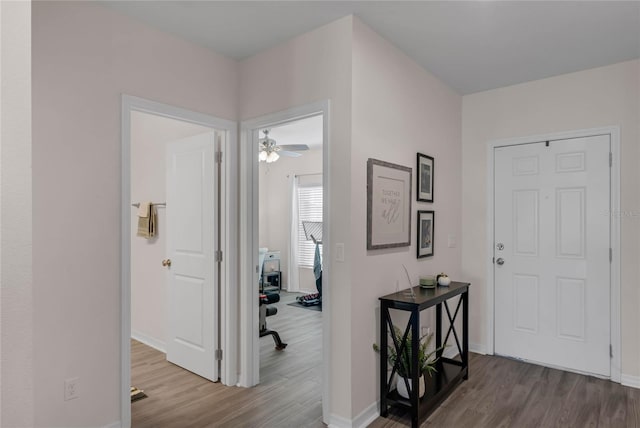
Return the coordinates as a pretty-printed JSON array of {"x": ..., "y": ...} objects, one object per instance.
[
  {"x": 228, "y": 225},
  {"x": 614, "y": 134},
  {"x": 249, "y": 192}
]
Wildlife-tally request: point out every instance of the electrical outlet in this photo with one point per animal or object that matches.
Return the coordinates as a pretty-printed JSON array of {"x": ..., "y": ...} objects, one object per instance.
[
  {"x": 71, "y": 389},
  {"x": 426, "y": 330}
]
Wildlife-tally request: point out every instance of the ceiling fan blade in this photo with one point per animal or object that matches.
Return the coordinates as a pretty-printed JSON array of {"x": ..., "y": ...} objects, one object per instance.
[
  {"x": 289, "y": 154},
  {"x": 294, "y": 147}
]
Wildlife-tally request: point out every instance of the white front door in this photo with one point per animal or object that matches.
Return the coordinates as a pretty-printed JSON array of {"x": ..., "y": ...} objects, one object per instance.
[
  {"x": 191, "y": 244},
  {"x": 551, "y": 248}
]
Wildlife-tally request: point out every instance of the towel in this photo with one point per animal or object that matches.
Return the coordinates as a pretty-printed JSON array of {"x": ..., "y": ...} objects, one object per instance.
[
  {"x": 143, "y": 209},
  {"x": 147, "y": 220}
]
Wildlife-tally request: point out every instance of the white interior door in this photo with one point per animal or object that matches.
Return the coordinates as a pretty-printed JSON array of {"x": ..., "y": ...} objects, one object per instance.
[
  {"x": 191, "y": 244},
  {"x": 552, "y": 261}
]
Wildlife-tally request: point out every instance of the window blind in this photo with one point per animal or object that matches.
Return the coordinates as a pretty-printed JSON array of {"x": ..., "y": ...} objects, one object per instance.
[{"x": 309, "y": 209}]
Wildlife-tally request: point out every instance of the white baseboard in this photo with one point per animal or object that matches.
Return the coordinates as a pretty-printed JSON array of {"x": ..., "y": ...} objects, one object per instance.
[
  {"x": 629, "y": 380},
  {"x": 367, "y": 416},
  {"x": 363, "y": 420},
  {"x": 115, "y": 424},
  {"x": 339, "y": 422},
  {"x": 478, "y": 348},
  {"x": 149, "y": 341}
]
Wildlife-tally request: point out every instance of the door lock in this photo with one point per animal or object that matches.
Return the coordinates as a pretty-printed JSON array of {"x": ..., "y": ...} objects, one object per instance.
[
  {"x": 500, "y": 246},
  {"x": 166, "y": 263},
  {"x": 500, "y": 261}
]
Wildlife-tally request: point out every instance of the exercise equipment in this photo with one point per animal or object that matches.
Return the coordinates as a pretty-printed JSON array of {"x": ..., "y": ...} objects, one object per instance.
[{"x": 267, "y": 311}]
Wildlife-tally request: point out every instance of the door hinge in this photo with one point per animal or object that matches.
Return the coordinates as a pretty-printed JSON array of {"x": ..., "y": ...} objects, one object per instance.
[
  {"x": 218, "y": 354},
  {"x": 218, "y": 157},
  {"x": 610, "y": 351},
  {"x": 610, "y": 255},
  {"x": 610, "y": 159},
  {"x": 218, "y": 256}
]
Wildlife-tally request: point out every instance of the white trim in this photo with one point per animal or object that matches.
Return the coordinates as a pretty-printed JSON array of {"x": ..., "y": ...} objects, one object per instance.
[
  {"x": 367, "y": 416},
  {"x": 363, "y": 420},
  {"x": 477, "y": 348},
  {"x": 614, "y": 133},
  {"x": 630, "y": 380},
  {"x": 228, "y": 269},
  {"x": 249, "y": 335},
  {"x": 154, "y": 343}
]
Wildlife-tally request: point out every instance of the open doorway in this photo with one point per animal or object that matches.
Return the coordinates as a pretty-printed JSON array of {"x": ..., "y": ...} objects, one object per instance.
[
  {"x": 251, "y": 266},
  {"x": 290, "y": 258},
  {"x": 172, "y": 252}
]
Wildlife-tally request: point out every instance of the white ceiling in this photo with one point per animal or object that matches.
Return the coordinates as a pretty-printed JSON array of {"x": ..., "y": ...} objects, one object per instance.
[
  {"x": 304, "y": 131},
  {"x": 470, "y": 45}
]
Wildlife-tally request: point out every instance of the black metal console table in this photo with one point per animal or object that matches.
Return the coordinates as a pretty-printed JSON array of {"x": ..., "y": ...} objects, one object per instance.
[{"x": 450, "y": 372}]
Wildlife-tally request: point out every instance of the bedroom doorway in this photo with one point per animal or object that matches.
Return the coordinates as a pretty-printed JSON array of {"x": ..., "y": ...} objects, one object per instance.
[{"x": 277, "y": 195}]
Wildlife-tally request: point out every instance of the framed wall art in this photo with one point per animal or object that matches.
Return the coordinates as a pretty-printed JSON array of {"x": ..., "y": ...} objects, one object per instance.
[
  {"x": 424, "y": 178},
  {"x": 388, "y": 205},
  {"x": 426, "y": 223}
]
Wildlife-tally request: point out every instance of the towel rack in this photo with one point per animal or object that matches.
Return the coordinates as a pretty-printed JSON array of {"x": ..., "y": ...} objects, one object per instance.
[{"x": 160, "y": 204}]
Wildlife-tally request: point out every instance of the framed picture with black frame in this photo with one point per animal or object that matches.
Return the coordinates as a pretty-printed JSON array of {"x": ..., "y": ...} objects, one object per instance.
[
  {"x": 426, "y": 232},
  {"x": 424, "y": 178}
]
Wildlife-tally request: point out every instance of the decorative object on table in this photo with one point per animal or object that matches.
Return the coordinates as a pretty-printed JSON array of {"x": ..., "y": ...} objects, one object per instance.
[
  {"x": 410, "y": 290},
  {"x": 401, "y": 360},
  {"x": 424, "y": 178},
  {"x": 443, "y": 280},
  {"x": 388, "y": 205},
  {"x": 428, "y": 281},
  {"x": 426, "y": 222}
]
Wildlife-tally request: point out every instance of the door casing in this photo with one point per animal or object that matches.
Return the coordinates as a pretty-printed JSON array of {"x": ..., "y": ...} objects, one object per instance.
[
  {"x": 614, "y": 133},
  {"x": 228, "y": 227},
  {"x": 249, "y": 334}
]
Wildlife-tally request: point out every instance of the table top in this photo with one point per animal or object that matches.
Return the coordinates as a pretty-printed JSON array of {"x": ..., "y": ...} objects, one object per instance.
[{"x": 424, "y": 297}]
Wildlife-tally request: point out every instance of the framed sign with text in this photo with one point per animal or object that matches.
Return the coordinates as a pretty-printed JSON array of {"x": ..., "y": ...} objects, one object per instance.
[{"x": 388, "y": 205}]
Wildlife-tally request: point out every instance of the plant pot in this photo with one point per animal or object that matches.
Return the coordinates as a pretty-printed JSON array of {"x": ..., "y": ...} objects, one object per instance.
[{"x": 402, "y": 388}]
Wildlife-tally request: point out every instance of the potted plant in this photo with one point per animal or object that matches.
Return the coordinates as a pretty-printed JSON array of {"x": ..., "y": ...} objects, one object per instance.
[{"x": 426, "y": 361}]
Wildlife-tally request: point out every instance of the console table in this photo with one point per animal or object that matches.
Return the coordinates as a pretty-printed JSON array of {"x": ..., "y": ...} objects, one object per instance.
[{"x": 450, "y": 371}]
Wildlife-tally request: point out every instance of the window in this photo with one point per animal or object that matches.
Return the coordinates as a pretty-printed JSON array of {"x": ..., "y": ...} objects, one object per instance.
[{"x": 309, "y": 209}]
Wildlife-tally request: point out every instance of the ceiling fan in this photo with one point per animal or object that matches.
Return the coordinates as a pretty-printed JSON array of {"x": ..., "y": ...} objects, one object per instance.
[{"x": 270, "y": 151}]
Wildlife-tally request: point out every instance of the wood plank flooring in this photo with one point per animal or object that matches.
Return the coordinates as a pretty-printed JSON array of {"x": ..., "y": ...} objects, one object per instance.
[
  {"x": 499, "y": 393},
  {"x": 289, "y": 394},
  {"x": 502, "y": 392}
]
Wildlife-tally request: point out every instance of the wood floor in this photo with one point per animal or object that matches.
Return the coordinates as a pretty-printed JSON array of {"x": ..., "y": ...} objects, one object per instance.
[
  {"x": 289, "y": 394},
  {"x": 499, "y": 393},
  {"x": 506, "y": 393}
]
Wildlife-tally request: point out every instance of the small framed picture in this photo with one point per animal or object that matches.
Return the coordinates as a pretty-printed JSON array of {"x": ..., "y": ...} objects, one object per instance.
[
  {"x": 426, "y": 224},
  {"x": 425, "y": 178}
]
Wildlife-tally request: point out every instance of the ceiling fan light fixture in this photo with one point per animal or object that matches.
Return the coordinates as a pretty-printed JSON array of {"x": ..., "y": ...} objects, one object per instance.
[
  {"x": 263, "y": 155},
  {"x": 272, "y": 157}
]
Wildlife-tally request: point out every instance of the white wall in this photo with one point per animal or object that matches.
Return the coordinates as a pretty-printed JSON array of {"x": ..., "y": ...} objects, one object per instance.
[
  {"x": 149, "y": 135},
  {"x": 275, "y": 200},
  {"x": 84, "y": 57},
  {"x": 312, "y": 67},
  {"x": 593, "y": 98},
  {"x": 16, "y": 280},
  {"x": 399, "y": 109}
]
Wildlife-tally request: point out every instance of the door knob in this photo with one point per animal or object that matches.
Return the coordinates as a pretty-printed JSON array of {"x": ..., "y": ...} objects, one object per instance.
[
  {"x": 166, "y": 263},
  {"x": 499, "y": 261}
]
